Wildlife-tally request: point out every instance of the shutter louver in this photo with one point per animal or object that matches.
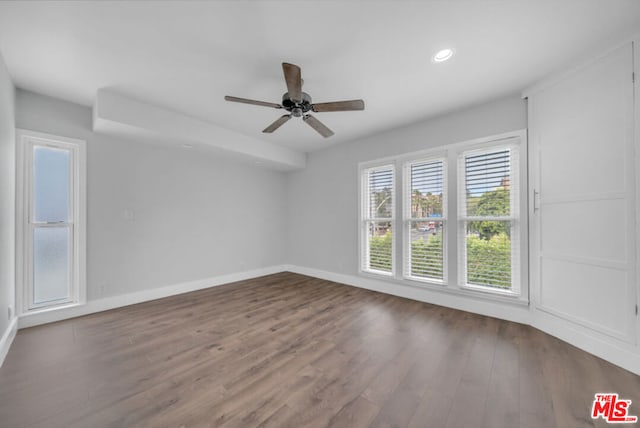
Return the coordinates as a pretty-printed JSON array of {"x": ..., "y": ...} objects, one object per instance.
[
  {"x": 489, "y": 204},
  {"x": 377, "y": 251},
  {"x": 424, "y": 212}
]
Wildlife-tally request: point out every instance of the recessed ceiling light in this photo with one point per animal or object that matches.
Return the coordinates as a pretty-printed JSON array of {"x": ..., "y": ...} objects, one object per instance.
[
  {"x": 443, "y": 55},
  {"x": 186, "y": 146}
]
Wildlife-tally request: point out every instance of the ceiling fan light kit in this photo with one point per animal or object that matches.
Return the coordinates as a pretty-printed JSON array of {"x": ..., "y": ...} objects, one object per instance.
[{"x": 299, "y": 103}]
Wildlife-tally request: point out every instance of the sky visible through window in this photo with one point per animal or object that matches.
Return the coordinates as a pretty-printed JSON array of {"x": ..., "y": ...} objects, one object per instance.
[{"x": 51, "y": 184}]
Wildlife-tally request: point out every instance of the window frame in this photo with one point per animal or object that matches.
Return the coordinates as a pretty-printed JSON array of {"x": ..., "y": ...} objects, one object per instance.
[
  {"x": 515, "y": 210},
  {"x": 451, "y": 251},
  {"x": 26, "y": 140},
  {"x": 407, "y": 220},
  {"x": 364, "y": 218}
]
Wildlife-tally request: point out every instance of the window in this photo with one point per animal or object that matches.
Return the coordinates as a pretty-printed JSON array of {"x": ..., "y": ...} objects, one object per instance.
[
  {"x": 51, "y": 226},
  {"x": 488, "y": 214},
  {"x": 425, "y": 206},
  {"x": 474, "y": 243},
  {"x": 378, "y": 214}
]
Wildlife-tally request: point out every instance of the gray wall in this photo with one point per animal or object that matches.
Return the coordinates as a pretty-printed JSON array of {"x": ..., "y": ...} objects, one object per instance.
[
  {"x": 195, "y": 215},
  {"x": 198, "y": 216},
  {"x": 323, "y": 198},
  {"x": 7, "y": 196}
]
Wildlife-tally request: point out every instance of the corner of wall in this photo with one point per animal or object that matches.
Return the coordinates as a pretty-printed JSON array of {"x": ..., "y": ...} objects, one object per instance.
[
  {"x": 7, "y": 202},
  {"x": 7, "y": 339}
]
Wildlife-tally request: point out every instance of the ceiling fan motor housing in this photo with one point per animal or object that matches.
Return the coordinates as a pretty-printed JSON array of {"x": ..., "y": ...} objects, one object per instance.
[{"x": 297, "y": 109}]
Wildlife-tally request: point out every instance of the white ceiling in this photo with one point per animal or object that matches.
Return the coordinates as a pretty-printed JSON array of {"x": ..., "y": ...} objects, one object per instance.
[{"x": 185, "y": 56}]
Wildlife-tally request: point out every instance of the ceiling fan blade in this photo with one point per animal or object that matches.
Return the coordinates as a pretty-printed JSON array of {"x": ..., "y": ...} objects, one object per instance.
[
  {"x": 293, "y": 77},
  {"x": 338, "y": 106},
  {"x": 277, "y": 124},
  {"x": 318, "y": 126},
  {"x": 254, "y": 102}
]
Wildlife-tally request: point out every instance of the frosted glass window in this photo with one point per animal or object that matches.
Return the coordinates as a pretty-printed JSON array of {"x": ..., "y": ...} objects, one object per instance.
[
  {"x": 51, "y": 169},
  {"x": 52, "y": 211},
  {"x": 51, "y": 273}
]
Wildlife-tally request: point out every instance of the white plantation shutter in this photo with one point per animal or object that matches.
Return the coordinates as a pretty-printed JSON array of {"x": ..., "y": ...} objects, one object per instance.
[
  {"x": 380, "y": 193},
  {"x": 488, "y": 207},
  {"x": 424, "y": 219},
  {"x": 378, "y": 214}
]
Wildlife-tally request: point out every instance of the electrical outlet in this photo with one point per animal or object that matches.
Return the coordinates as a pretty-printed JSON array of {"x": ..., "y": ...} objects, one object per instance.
[{"x": 9, "y": 312}]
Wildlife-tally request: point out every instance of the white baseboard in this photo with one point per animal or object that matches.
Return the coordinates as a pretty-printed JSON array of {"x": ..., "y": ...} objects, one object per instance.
[
  {"x": 626, "y": 356},
  {"x": 7, "y": 339},
  {"x": 99, "y": 305},
  {"x": 511, "y": 312}
]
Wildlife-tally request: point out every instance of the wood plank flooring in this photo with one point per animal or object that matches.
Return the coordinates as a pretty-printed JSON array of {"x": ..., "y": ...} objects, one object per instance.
[{"x": 287, "y": 350}]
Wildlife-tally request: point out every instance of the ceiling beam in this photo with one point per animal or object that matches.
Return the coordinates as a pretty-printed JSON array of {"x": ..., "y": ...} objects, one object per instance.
[{"x": 123, "y": 116}]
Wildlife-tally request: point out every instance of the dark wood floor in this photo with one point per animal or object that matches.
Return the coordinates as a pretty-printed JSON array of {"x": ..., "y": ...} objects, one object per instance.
[{"x": 292, "y": 351}]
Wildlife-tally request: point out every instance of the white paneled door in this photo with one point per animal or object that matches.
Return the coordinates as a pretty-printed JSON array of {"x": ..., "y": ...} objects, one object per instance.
[{"x": 583, "y": 231}]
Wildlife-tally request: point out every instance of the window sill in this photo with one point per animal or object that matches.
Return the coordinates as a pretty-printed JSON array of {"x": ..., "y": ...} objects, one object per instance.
[
  {"x": 441, "y": 287},
  {"x": 377, "y": 273},
  {"x": 490, "y": 290},
  {"x": 52, "y": 308}
]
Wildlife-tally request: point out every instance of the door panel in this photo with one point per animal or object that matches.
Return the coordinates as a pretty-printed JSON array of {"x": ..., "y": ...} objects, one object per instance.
[{"x": 583, "y": 224}]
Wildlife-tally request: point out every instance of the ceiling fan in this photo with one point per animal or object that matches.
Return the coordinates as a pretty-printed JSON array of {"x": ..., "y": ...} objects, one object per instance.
[{"x": 298, "y": 103}]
